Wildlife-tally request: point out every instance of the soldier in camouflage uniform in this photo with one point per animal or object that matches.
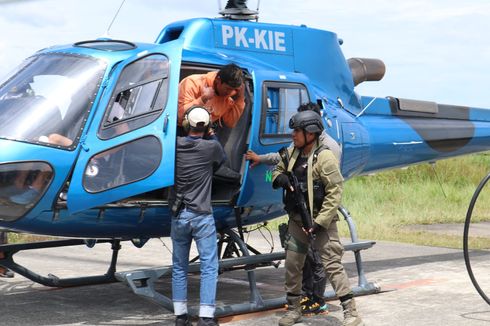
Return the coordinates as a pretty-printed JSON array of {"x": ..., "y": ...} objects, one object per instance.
[{"x": 318, "y": 173}]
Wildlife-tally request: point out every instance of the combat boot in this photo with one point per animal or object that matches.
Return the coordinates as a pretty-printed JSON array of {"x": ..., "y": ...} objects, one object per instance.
[
  {"x": 183, "y": 320},
  {"x": 351, "y": 316},
  {"x": 293, "y": 315}
]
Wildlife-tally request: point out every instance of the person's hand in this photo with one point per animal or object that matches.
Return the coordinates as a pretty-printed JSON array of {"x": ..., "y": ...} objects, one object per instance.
[
  {"x": 315, "y": 228},
  {"x": 282, "y": 181},
  {"x": 253, "y": 158},
  {"x": 238, "y": 93},
  {"x": 207, "y": 94},
  {"x": 211, "y": 132}
]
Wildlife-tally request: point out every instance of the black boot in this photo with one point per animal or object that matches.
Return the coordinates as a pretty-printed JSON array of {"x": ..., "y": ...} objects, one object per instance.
[
  {"x": 183, "y": 320},
  {"x": 203, "y": 321}
]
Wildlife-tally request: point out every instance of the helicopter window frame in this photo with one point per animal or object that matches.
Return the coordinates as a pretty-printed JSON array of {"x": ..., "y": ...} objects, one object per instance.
[
  {"x": 277, "y": 138},
  {"x": 115, "y": 123}
]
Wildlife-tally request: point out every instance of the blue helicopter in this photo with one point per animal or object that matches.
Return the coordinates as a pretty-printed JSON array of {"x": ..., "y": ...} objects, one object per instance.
[{"x": 88, "y": 130}]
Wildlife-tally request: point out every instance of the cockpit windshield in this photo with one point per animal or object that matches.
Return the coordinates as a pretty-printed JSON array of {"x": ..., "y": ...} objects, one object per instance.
[{"x": 47, "y": 99}]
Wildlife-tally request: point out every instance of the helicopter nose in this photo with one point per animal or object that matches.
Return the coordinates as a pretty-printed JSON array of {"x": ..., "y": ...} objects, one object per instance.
[{"x": 21, "y": 186}]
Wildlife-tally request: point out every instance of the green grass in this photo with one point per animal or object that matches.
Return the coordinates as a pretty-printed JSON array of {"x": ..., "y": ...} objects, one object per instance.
[
  {"x": 25, "y": 237},
  {"x": 385, "y": 204}
]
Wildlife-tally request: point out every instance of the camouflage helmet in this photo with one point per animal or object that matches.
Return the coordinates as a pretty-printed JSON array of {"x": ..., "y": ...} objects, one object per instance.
[{"x": 307, "y": 120}]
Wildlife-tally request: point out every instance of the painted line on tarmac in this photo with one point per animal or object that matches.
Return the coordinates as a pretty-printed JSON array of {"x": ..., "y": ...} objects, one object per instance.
[{"x": 410, "y": 284}]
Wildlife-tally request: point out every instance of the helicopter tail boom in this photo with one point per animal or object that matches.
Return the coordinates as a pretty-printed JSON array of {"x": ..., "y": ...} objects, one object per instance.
[{"x": 402, "y": 132}]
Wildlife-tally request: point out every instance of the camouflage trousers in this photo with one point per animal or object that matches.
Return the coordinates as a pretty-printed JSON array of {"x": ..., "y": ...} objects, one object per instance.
[{"x": 327, "y": 243}]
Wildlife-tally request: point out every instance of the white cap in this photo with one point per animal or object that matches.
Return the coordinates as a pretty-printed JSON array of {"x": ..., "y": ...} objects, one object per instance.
[{"x": 198, "y": 115}]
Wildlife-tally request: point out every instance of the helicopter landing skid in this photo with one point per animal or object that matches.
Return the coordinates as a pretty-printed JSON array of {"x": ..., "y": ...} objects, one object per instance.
[
  {"x": 142, "y": 282},
  {"x": 10, "y": 250}
]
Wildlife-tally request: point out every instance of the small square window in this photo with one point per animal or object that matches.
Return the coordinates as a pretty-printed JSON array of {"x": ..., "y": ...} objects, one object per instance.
[{"x": 281, "y": 102}]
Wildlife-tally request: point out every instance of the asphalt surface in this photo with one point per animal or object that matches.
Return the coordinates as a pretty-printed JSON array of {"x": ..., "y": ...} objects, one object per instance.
[{"x": 420, "y": 286}]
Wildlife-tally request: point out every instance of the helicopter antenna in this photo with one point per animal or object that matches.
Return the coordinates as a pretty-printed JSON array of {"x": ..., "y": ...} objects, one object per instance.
[{"x": 106, "y": 34}]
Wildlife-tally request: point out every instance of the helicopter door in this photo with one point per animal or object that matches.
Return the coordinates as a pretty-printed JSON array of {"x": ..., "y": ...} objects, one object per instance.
[
  {"x": 129, "y": 148},
  {"x": 277, "y": 97}
]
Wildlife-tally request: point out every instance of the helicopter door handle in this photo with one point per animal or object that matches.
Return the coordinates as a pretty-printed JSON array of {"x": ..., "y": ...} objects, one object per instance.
[
  {"x": 83, "y": 144},
  {"x": 165, "y": 124}
]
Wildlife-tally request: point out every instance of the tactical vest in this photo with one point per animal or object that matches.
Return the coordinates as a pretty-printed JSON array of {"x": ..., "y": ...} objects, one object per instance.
[{"x": 318, "y": 188}]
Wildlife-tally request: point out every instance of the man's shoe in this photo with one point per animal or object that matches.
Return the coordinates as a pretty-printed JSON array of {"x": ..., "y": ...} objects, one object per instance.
[
  {"x": 351, "y": 316},
  {"x": 314, "y": 308},
  {"x": 6, "y": 273},
  {"x": 305, "y": 301},
  {"x": 204, "y": 321},
  {"x": 183, "y": 320}
]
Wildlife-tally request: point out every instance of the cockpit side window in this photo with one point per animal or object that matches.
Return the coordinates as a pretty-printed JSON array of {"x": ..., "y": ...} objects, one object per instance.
[
  {"x": 280, "y": 103},
  {"x": 139, "y": 97}
]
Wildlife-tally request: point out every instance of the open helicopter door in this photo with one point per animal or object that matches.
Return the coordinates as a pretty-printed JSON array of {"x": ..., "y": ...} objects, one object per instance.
[
  {"x": 277, "y": 96},
  {"x": 129, "y": 148}
]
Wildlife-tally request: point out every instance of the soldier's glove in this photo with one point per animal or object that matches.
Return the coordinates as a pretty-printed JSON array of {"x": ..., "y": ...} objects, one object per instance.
[
  {"x": 282, "y": 181},
  {"x": 315, "y": 228}
]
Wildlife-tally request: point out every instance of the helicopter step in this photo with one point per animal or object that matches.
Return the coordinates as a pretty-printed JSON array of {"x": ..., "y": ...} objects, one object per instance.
[
  {"x": 10, "y": 250},
  {"x": 142, "y": 282}
]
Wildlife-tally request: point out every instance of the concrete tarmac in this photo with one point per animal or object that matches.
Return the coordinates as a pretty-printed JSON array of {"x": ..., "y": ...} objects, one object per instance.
[{"x": 420, "y": 286}]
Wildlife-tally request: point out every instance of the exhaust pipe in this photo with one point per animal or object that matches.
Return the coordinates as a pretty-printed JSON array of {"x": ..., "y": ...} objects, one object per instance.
[{"x": 365, "y": 69}]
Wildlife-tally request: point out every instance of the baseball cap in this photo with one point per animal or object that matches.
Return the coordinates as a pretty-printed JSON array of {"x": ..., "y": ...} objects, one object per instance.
[{"x": 198, "y": 117}]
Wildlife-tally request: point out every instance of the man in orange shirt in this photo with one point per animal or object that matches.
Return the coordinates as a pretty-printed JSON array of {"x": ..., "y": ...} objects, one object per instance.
[{"x": 221, "y": 92}]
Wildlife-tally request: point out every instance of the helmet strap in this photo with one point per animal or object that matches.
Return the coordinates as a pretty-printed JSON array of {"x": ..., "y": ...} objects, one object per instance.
[{"x": 306, "y": 142}]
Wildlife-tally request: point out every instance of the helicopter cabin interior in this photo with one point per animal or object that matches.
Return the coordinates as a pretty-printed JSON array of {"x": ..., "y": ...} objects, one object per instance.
[{"x": 226, "y": 181}]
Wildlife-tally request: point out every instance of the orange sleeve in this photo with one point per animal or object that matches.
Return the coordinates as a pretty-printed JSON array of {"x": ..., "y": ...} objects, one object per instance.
[
  {"x": 234, "y": 112},
  {"x": 189, "y": 96}
]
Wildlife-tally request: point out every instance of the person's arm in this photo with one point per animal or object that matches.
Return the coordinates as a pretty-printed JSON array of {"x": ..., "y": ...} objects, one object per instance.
[
  {"x": 236, "y": 105},
  {"x": 270, "y": 158},
  {"x": 189, "y": 96},
  {"x": 58, "y": 139},
  {"x": 332, "y": 180},
  {"x": 256, "y": 159}
]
